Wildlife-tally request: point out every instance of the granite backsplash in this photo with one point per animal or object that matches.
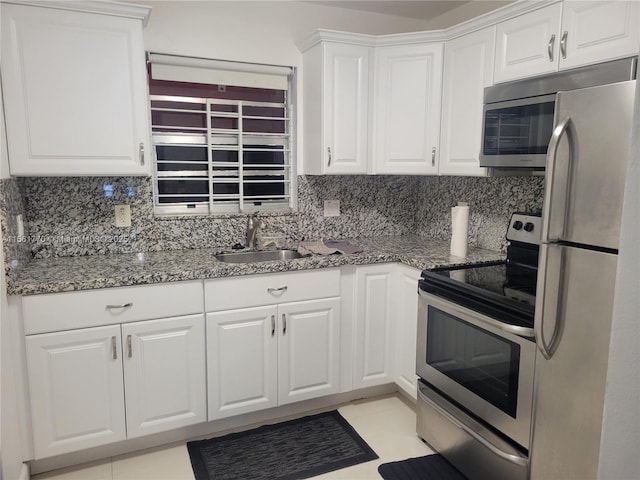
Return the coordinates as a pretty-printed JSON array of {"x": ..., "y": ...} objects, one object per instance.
[{"x": 71, "y": 216}]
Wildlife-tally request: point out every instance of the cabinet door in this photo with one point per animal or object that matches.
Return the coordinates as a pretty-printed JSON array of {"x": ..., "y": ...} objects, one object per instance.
[
  {"x": 468, "y": 69},
  {"x": 406, "y": 323},
  {"x": 309, "y": 349},
  {"x": 593, "y": 32},
  {"x": 407, "y": 124},
  {"x": 76, "y": 387},
  {"x": 528, "y": 45},
  {"x": 242, "y": 361},
  {"x": 346, "y": 108},
  {"x": 164, "y": 372},
  {"x": 375, "y": 336},
  {"x": 75, "y": 92}
]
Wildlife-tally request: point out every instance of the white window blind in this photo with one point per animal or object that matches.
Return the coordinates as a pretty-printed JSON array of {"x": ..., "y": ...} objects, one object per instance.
[{"x": 222, "y": 136}]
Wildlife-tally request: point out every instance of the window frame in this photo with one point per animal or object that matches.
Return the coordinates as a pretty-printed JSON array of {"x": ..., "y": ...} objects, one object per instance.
[{"x": 240, "y": 206}]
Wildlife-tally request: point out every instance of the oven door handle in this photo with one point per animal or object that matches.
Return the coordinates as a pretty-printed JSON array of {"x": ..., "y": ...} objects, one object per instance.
[
  {"x": 524, "y": 332},
  {"x": 509, "y": 457}
]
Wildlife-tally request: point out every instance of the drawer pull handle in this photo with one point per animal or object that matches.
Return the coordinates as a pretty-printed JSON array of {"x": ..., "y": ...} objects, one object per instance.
[
  {"x": 114, "y": 348},
  {"x": 284, "y": 324},
  {"x": 552, "y": 41},
  {"x": 278, "y": 289},
  {"x": 129, "y": 349},
  {"x": 273, "y": 325},
  {"x": 122, "y": 305},
  {"x": 141, "y": 150}
]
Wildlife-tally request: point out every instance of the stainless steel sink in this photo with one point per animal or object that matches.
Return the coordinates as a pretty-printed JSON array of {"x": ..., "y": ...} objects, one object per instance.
[{"x": 258, "y": 256}]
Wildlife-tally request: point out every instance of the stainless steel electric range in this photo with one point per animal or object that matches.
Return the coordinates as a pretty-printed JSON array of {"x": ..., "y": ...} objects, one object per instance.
[{"x": 475, "y": 358}]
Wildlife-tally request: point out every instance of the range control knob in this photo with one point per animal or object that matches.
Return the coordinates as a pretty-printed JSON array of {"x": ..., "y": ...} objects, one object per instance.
[
  {"x": 517, "y": 225},
  {"x": 528, "y": 227}
]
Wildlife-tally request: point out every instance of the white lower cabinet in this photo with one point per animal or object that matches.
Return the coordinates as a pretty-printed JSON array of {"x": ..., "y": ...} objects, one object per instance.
[
  {"x": 385, "y": 311},
  {"x": 263, "y": 357},
  {"x": 164, "y": 374},
  {"x": 83, "y": 381},
  {"x": 374, "y": 325},
  {"x": 269, "y": 355},
  {"x": 406, "y": 329},
  {"x": 266, "y": 341},
  {"x": 77, "y": 389},
  {"x": 134, "y": 375}
]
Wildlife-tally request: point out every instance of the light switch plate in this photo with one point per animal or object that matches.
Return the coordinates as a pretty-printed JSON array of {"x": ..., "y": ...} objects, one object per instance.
[
  {"x": 332, "y": 208},
  {"x": 123, "y": 216}
]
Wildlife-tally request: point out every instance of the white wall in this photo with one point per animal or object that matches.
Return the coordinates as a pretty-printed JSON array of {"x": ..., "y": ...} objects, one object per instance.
[
  {"x": 464, "y": 12},
  {"x": 11, "y": 466},
  {"x": 257, "y": 32},
  {"x": 619, "y": 457}
]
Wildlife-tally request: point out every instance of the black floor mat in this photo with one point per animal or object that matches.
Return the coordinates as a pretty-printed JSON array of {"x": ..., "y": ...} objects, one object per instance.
[
  {"x": 292, "y": 450},
  {"x": 430, "y": 467}
]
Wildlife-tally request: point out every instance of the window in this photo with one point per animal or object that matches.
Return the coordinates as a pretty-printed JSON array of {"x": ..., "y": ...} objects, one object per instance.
[{"x": 222, "y": 136}]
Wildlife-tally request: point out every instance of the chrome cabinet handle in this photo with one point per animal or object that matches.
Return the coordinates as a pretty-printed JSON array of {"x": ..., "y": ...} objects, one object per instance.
[
  {"x": 273, "y": 325},
  {"x": 114, "y": 348},
  {"x": 284, "y": 324},
  {"x": 552, "y": 41},
  {"x": 141, "y": 150},
  {"x": 563, "y": 44},
  {"x": 278, "y": 289},
  {"x": 129, "y": 349},
  {"x": 122, "y": 305},
  {"x": 433, "y": 157},
  {"x": 329, "y": 151}
]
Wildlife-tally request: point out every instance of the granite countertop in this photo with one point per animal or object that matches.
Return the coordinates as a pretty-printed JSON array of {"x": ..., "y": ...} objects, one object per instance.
[{"x": 62, "y": 274}]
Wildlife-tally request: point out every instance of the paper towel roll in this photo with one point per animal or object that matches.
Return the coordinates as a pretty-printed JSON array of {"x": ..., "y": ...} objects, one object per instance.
[{"x": 459, "y": 229}]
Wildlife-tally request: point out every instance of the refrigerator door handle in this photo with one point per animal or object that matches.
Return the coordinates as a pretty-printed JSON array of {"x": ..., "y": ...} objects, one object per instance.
[
  {"x": 562, "y": 128},
  {"x": 548, "y": 300}
]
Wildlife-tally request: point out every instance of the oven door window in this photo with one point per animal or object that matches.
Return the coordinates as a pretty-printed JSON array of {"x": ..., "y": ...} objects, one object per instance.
[
  {"x": 518, "y": 130},
  {"x": 482, "y": 362}
]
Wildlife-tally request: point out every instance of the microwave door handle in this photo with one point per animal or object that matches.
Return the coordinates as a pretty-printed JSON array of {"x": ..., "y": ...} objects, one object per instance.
[
  {"x": 552, "y": 152},
  {"x": 548, "y": 297}
]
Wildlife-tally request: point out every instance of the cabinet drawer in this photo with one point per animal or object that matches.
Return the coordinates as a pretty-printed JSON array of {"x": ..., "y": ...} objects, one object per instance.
[
  {"x": 256, "y": 290},
  {"x": 70, "y": 310}
]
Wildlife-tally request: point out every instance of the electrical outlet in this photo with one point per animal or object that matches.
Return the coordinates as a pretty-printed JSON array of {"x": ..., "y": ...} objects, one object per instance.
[
  {"x": 332, "y": 208},
  {"x": 123, "y": 216}
]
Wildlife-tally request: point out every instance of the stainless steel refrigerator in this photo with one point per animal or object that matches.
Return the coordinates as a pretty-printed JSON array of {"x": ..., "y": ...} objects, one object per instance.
[{"x": 586, "y": 167}]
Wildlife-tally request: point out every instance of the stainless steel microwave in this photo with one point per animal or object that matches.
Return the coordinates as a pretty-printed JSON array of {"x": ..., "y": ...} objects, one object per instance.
[{"x": 518, "y": 117}]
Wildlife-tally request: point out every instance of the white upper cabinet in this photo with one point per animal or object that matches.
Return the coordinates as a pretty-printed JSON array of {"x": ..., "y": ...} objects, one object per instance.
[
  {"x": 468, "y": 69},
  {"x": 597, "y": 31},
  {"x": 527, "y": 45},
  {"x": 75, "y": 91},
  {"x": 407, "y": 114},
  {"x": 566, "y": 35},
  {"x": 336, "y": 99}
]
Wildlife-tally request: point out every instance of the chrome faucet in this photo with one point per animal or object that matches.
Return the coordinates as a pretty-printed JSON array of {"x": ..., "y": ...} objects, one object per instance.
[{"x": 253, "y": 223}]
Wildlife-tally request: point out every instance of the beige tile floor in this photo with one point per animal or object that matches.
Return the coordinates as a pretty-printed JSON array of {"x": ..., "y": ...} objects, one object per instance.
[{"x": 386, "y": 423}]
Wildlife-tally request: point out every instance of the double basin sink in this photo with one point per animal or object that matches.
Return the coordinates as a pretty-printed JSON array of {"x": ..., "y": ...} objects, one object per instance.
[{"x": 258, "y": 256}]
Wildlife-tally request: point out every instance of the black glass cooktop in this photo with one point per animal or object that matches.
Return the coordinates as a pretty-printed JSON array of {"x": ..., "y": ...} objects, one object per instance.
[{"x": 504, "y": 291}]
